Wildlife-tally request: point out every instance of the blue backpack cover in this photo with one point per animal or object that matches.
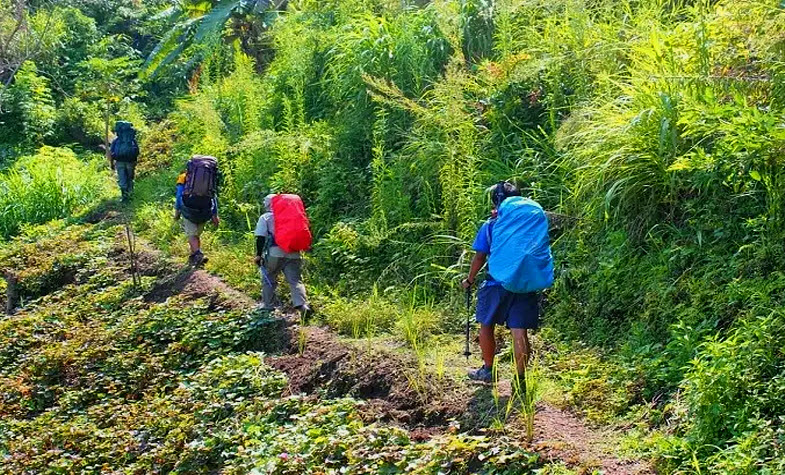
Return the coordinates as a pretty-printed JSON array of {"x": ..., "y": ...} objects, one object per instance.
[{"x": 521, "y": 257}]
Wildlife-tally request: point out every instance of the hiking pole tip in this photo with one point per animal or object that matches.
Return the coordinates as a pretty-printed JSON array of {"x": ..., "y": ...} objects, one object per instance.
[{"x": 466, "y": 350}]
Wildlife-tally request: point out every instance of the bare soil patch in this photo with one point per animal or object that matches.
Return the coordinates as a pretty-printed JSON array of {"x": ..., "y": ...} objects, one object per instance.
[
  {"x": 196, "y": 283},
  {"x": 174, "y": 278},
  {"x": 560, "y": 435},
  {"x": 330, "y": 368},
  {"x": 149, "y": 261},
  {"x": 388, "y": 382},
  {"x": 105, "y": 213}
]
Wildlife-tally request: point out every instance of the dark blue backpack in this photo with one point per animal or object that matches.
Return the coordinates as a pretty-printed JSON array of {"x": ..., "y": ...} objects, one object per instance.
[{"x": 124, "y": 148}]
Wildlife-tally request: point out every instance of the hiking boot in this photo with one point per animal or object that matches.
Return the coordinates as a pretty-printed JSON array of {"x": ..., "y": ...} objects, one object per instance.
[
  {"x": 483, "y": 374},
  {"x": 305, "y": 310},
  {"x": 196, "y": 259}
]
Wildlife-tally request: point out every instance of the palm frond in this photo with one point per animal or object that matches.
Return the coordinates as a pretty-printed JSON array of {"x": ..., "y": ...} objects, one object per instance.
[
  {"x": 171, "y": 45},
  {"x": 212, "y": 22}
]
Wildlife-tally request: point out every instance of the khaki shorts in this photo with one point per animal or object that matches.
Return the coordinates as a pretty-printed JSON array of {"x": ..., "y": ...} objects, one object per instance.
[{"x": 192, "y": 229}]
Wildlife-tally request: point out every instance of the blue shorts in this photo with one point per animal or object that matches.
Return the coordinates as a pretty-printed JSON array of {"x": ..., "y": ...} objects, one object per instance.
[{"x": 497, "y": 305}]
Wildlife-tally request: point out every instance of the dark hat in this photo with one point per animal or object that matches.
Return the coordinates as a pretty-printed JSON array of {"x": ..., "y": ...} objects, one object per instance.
[{"x": 503, "y": 190}]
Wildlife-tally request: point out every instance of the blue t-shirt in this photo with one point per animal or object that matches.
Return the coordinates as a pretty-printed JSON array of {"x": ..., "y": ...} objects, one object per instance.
[{"x": 482, "y": 243}]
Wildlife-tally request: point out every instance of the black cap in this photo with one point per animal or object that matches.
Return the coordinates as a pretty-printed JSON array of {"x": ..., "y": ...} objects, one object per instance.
[{"x": 503, "y": 190}]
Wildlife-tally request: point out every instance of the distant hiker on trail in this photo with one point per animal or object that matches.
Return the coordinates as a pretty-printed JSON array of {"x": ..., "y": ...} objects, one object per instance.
[
  {"x": 197, "y": 202},
  {"x": 122, "y": 157},
  {"x": 282, "y": 233},
  {"x": 515, "y": 243}
]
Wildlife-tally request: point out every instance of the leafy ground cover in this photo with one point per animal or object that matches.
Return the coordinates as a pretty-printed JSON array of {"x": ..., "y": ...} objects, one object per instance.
[{"x": 99, "y": 375}]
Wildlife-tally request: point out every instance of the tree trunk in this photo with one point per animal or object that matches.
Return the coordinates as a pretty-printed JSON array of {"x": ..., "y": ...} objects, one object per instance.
[
  {"x": 11, "y": 293},
  {"x": 106, "y": 138}
]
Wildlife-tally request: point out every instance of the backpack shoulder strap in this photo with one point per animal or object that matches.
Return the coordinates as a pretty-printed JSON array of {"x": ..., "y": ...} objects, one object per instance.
[{"x": 488, "y": 229}]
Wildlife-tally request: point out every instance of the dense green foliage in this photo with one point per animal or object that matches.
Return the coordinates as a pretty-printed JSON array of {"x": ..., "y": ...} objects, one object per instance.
[
  {"x": 653, "y": 131},
  {"x": 64, "y": 65},
  {"x": 51, "y": 184}
]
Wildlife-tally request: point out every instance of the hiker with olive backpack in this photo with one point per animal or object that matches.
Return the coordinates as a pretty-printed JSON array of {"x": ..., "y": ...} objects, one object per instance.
[
  {"x": 282, "y": 234},
  {"x": 515, "y": 244},
  {"x": 122, "y": 157},
  {"x": 197, "y": 202}
]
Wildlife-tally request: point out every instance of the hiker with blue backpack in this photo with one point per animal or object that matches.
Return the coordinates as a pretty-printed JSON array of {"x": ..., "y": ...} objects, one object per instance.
[
  {"x": 123, "y": 154},
  {"x": 514, "y": 243},
  {"x": 196, "y": 202}
]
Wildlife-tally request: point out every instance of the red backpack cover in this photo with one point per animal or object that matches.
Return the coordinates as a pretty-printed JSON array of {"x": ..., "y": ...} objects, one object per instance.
[{"x": 292, "y": 228}]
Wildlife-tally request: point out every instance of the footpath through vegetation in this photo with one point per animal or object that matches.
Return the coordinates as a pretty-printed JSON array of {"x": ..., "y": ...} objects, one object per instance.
[{"x": 652, "y": 132}]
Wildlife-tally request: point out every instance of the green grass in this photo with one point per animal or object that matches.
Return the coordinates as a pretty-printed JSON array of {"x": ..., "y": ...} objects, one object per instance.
[{"x": 54, "y": 183}]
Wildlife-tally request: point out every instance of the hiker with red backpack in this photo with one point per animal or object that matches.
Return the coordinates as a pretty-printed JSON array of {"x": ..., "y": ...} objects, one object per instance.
[
  {"x": 282, "y": 234},
  {"x": 122, "y": 157},
  {"x": 197, "y": 202},
  {"x": 515, "y": 244}
]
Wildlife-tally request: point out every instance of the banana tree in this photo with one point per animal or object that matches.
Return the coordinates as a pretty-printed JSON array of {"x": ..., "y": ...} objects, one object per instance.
[{"x": 194, "y": 22}]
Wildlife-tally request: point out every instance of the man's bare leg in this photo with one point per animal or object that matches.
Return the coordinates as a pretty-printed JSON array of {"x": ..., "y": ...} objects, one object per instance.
[
  {"x": 521, "y": 349},
  {"x": 487, "y": 344},
  {"x": 194, "y": 243}
]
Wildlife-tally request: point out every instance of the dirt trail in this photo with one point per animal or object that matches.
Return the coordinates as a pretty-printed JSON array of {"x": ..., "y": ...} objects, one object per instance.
[
  {"x": 385, "y": 381},
  {"x": 388, "y": 382},
  {"x": 559, "y": 435},
  {"x": 322, "y": 365}
]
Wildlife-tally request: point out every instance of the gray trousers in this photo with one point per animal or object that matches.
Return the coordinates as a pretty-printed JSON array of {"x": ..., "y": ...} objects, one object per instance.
[
  {"x": 125, "y": 177},
  {"x": 292, "y": 270}
]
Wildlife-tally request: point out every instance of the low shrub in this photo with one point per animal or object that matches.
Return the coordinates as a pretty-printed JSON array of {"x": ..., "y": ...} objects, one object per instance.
[
  {"x": 156, "y": 148},
  {"x": 735, "y": 391},
  {"x": 590, "y": 384},
  {"x": 81, "y": 122}
]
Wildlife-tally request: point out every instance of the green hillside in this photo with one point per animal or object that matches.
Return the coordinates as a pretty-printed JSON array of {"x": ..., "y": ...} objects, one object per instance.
[{"x": 651, "y": 131}]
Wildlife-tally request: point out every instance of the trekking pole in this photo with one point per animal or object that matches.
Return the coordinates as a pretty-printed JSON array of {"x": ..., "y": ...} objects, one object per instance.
[
  {"x": 132, "y": 253},
  {"x": 466, "y": 351},
  {"x": 265, "y": 276}
]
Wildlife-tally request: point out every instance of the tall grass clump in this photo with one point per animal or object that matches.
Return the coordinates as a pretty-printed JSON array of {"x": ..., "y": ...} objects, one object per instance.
[
  {"x": 223, "y": 108},
  {"x": 417, "y": 323},
  {"x": 359, "y": 318},
  {"x": 53, "y": 183},
  {"x": 406, "y": 48}
]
